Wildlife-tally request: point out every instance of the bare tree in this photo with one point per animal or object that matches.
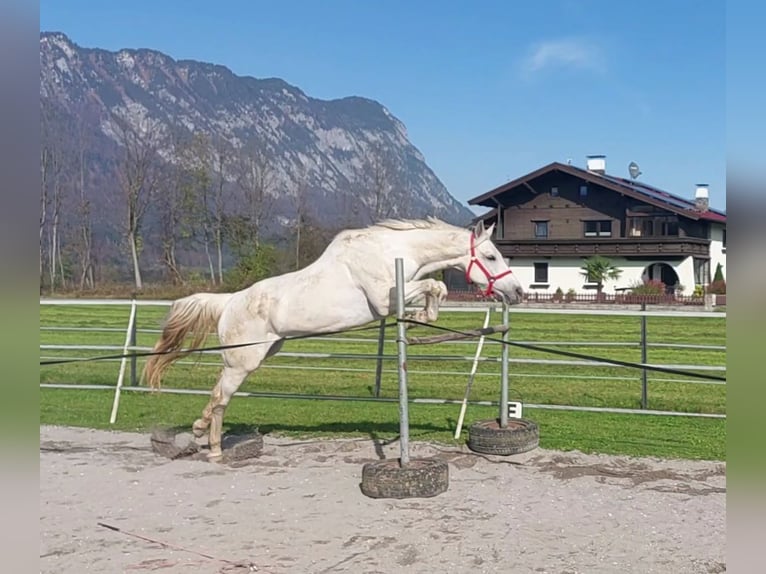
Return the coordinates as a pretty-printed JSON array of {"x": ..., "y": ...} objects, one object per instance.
[
  {"x": 181, "y": 207},
  {"x": 170, "y": 207},
  {"x": 138, "y": 173},
  {"x": 83, "y": 243},
  {"x": 299, "y": 197},
  {"x": 215, "y": 220},
  {"x": 45, "y": 174},
  {"x": 199, "y": 200},
  {"x": 52, "y": 166},
  {"x": 256, "y": 180},
  {"x": 380, "y": 182}
]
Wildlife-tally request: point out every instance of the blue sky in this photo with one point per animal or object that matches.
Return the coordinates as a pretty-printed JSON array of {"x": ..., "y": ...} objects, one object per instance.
[{"x": 488, "y": 90}]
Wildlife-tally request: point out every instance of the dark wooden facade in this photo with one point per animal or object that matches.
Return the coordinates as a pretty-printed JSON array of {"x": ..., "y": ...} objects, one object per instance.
[{"x": 564, "y": 211}]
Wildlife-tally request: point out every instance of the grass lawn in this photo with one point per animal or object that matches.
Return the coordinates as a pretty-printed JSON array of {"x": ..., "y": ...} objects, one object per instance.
[{"x": 436, "y": 371}]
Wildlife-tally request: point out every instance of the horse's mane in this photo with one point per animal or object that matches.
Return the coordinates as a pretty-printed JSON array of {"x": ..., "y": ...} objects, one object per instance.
[
  {"x": 396, "y": 225},
  {"x": 408, "y": 224}
]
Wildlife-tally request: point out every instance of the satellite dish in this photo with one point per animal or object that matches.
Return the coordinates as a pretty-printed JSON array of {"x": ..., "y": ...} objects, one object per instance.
[{"x": 633, "y": 170}]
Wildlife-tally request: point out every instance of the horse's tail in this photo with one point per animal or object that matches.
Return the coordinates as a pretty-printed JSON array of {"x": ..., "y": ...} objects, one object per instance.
[{"x": 196, "y": 316}]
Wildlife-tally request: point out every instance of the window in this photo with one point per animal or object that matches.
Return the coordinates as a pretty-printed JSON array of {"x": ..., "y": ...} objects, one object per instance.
[
  {"x": 640, "y": 227},
  {"x": 598, "y": 228},
  {"x": 541, "y": 228},
  {"x": 669, "y": 226},
  {"x": 555, "y": 191},
  {"x": 653, "y": 226},
  {"x": 701, "y": 271},
  {"x": 583, "y": 190},
  {"x": 541, "y": 273}
]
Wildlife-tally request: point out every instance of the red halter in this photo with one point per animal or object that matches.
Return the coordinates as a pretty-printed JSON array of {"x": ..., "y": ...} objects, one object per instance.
[{"x": 490, "y": 278}]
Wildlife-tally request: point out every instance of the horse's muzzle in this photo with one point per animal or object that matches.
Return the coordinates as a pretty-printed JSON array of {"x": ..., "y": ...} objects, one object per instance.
[{"x": 513, "y": 298}]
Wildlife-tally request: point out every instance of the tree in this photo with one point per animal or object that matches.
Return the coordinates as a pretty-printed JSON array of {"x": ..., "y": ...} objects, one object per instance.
[
  {"x": 383, "y": 183},
  {"x": 215, "y": 220},
  {"x": 379, "y": 182},
  {"x": 83, "y": 240},
  {"x": 256, "y": 180},
  {"x": 718, "y": 276},
  {"x": 46, "y": 166},
  {"x": 53, "y": 160},
  {"x": 300, "y": 198},
  {"x": 599, "y": 270},
  {"x": 139, "y": 172},
  {"x": 183, "y": 205}
]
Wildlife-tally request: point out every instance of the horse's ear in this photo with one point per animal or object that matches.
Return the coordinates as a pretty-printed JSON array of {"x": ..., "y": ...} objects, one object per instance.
[
  {"x": 478, "y": 229},
  {"x": 490, "y": 229}
]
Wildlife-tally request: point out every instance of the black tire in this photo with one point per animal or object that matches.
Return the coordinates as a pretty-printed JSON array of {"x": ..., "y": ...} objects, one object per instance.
[
  {"x": 239, "y": 448},
  {"x": 488, "y": 437},
  {"x": 421, "y": 478},
  {"x": 163, "y": 442}
]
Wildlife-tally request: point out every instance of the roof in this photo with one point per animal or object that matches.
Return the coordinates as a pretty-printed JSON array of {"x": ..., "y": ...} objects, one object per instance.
[{"x": 632, "y": 188}]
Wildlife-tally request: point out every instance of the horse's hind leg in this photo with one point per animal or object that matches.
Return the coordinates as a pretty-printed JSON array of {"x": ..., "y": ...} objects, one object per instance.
[
  {"x": 201, "y": 425},
  {"x": 229, "y": 381}
]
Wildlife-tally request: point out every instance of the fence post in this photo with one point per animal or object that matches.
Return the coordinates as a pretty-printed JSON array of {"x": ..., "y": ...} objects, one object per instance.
[
  {"x": 133, "y": 339},
  {"x": 379, "y": 365},
  {"x": 504, "y": 370},
  {"x": 644, "y": 398},
  {"x": 401, "y": 341},
  {"x": 123, "y": 362}
]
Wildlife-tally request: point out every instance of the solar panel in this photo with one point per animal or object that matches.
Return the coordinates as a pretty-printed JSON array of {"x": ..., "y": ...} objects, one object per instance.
[{"x": 652, "y": 192}]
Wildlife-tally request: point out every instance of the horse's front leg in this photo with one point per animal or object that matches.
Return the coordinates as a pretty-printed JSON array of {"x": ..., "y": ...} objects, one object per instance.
[{"x": 435, "y": 293}]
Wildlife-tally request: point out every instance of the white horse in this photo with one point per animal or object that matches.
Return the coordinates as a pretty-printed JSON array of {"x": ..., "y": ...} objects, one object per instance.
[{"x": 350, "y": 284}]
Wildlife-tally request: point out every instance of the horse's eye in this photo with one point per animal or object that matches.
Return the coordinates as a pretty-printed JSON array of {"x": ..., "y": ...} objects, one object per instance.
[{"x": 491, "y": 257}]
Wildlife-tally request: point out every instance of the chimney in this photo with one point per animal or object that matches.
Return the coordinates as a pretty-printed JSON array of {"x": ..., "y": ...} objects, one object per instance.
[
  {"x": 596, "y": 163},
  {"x": 701, "y": 196}
]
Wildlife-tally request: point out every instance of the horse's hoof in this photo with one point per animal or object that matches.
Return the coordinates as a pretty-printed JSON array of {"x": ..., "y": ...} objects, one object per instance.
[
  {"x": 214, "y": 456},
  {"x": 199, "y": 429}
]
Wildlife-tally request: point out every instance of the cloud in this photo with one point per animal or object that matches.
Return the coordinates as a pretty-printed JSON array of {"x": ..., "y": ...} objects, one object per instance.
[{"x": 564, "y": 53}]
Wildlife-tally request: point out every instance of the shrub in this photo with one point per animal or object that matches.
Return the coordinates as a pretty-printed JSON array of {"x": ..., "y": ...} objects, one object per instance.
[
  {"x": 648, "y": 287},
  {"x": 571, "y": 294},
  {"x": 251, "y": 267},
  {"x": 558, "y": 295},
  {"x": 718, "y": 276},
  {"x": 717, "y": 287}
]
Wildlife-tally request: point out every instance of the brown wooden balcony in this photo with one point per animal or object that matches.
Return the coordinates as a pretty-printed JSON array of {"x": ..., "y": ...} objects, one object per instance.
[{"x": 653, "y": 247}]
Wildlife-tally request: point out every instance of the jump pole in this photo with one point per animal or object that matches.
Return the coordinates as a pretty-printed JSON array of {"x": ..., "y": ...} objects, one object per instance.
[{"x": 471, "y": 377}]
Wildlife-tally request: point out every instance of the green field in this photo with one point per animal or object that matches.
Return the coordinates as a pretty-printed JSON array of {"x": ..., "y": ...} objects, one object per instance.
[{"x": 545, "y": 384}]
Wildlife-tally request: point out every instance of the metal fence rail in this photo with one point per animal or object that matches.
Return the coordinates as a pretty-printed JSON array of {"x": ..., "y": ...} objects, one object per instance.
[{"x": 131, "y": 330}]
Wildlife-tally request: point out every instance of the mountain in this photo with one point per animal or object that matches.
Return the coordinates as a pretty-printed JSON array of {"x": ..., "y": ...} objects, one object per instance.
[{"x": 350, "y": 158}]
